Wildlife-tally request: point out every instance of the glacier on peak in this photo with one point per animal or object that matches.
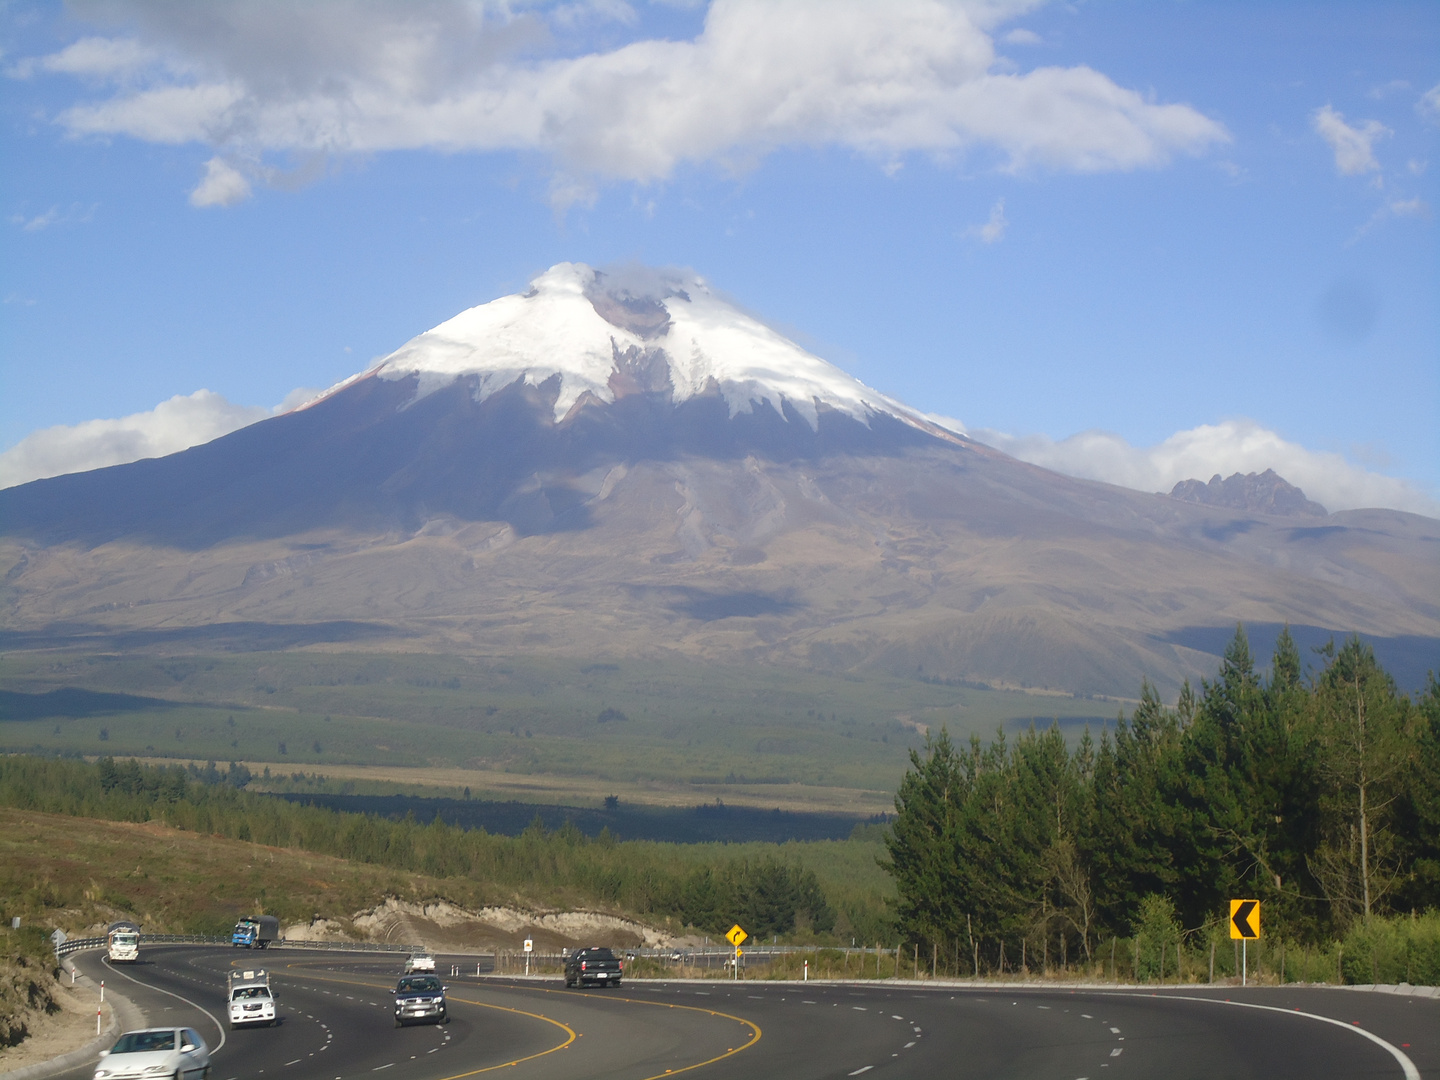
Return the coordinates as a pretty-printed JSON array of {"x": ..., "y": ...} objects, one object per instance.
[{"x": 603, "y": 338}]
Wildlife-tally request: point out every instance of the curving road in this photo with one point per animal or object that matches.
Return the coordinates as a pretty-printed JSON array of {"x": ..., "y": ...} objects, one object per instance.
[{"x": 336, "y": 1022}]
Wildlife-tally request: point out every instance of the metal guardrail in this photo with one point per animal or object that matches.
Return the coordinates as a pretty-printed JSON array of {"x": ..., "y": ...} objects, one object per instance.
[
  {"x": 353, "y": 946},
  {"x": 78, "y": 944},
  {"x": 705, "y": 955}
]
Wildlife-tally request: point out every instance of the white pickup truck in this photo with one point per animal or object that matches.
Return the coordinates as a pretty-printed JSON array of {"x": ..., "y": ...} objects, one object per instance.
[
  {"x": 419, "y": 963},
  {"x": 250, "y": 999}
]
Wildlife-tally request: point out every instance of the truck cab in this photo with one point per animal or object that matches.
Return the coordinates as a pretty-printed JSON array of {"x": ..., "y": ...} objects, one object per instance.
[
  {"x": 122, "y": 942},
  {"x": 255, "y": 932},
  {"x": 250, "y": 999}
]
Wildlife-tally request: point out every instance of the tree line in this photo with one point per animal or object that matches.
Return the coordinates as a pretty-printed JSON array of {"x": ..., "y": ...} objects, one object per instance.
[
  {"x": 765, "y": 893},
  {"x": 1319, "y": 796}
]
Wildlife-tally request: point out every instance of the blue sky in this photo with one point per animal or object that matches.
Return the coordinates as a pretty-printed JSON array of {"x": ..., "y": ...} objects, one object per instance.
[{"x": 1133, "y": 241}]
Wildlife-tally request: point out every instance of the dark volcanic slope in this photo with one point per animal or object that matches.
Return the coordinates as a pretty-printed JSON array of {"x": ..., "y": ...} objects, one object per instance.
[
  {"x": 373, "y": 458},
  {"x": 646, "y": 528}
]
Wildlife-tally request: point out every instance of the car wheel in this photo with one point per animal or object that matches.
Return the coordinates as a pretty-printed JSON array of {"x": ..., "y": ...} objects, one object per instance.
[{"x": 399, "y": 1022}]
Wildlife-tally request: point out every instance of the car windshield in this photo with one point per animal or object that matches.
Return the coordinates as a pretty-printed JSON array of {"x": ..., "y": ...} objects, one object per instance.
[
  {"x": 411, "y": 985},
  {"x": 144, "y": 1042},
  {"x": 125, "y": 939},
  {"x": 248, "y": 992}
]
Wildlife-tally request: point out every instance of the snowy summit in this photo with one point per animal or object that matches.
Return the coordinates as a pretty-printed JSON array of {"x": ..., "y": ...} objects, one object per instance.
[{"x": 607, "y": 335}]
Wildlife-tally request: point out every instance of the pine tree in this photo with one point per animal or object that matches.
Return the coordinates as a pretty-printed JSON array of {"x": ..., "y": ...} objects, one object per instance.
[{"x": 1367, "y": 750}]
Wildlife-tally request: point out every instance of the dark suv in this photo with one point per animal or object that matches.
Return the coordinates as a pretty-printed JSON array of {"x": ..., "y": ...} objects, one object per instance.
[
  {"x": 587, "y": 967},
  {"x": 419, "y": 997}
]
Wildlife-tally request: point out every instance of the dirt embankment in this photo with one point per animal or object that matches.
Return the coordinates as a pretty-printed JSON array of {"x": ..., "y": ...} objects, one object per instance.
[
  {"x": 28, "y": 993},
  {"x": 445, "y": 927}
]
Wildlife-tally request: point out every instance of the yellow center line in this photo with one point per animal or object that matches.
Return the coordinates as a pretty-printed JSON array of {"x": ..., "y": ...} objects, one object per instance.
[
  {"x": 753, "y": 1039},
  {"x": 569, "y": 1032},
  {"x": 755, "y": 1032}
]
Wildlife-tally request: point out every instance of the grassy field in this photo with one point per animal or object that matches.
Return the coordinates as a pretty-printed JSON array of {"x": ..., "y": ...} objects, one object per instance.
[
  {"x": 543, "y": 728},
  {"x": 76, "y": 872},
  {"x": 71, "y": 872}
]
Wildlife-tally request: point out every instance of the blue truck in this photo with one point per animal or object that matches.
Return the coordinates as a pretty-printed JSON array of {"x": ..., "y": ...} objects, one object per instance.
[{"x": 255, "y": 932}]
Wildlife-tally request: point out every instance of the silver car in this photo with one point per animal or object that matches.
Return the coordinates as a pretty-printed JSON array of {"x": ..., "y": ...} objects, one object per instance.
[{"x": 157, "y": 1054}]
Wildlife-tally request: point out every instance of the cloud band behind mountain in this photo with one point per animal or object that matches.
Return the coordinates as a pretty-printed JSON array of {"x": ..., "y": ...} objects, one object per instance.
[
  {"x": 172, "y": 426},
  {"x": 1199, "y": 453}
]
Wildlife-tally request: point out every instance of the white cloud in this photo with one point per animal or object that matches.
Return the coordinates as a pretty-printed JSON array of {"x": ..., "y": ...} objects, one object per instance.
[
  {"x": 918, "y": 76},
  {"x": 223, "y": 185},
  {"x": 77, "y": 214},
  {"x": 993, "y": 229},
  {"x": 1022, "y": 37},
  {"x": 1353, "y": 146},
  {"x": 38, "y": 222},
  {"x": 1429, "y": 104},
  {"x": 173, "y": 425},
  {"x": 1199, "y": 453},
  {"x": 93, "y": 57}
]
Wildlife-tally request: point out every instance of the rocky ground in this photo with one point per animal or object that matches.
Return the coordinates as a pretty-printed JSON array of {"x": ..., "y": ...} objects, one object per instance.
[{"x": 65, "y": 1022}]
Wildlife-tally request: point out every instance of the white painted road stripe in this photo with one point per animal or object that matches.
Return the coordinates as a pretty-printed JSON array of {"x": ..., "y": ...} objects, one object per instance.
[
  {"x": 187, "y": 1001},
  {"x": 1406, "y": 1065},
  {"x": 862, "y": 1069}
]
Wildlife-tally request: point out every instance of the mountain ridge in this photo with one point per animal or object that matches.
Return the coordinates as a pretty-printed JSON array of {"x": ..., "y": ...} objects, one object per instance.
[{"x": 505, "y": 509}]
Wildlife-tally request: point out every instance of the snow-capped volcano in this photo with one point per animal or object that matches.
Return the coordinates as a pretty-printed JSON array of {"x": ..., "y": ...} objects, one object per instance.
[
  {"x": 602, "y": 338},
  {"x": 622, "y": 463}
]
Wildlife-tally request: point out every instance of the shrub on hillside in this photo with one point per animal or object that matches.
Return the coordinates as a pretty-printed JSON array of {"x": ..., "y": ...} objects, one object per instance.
[{"x": 1404, "y": 949}]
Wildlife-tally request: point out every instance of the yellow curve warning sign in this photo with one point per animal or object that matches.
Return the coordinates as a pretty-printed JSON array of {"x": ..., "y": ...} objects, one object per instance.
[
  {"x": 736, "y": 936},
  {"x": 1245, "y": 920}
]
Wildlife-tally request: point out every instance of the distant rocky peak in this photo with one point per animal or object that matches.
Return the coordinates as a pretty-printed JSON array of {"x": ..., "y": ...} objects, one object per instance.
[{"x": 1259, "y": 493}]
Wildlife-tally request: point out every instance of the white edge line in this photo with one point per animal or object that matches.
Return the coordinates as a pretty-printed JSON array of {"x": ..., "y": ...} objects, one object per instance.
[
  {"x": 1406, "y": 1065},
  {"x": 207, "y": 1012}
]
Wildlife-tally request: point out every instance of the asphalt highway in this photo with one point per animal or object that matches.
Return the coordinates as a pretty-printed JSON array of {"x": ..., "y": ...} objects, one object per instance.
[{"x": 337, "y": 1022}]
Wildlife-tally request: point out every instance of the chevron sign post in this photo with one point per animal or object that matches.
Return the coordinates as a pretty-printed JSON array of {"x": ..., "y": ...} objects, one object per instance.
[{"x": 1245, "y": 926}]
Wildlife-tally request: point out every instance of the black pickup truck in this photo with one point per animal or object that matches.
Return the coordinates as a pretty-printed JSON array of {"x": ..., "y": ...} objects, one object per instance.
[
  {"x": 420, "y": 997},
  {"x": 587, "y": 967}
]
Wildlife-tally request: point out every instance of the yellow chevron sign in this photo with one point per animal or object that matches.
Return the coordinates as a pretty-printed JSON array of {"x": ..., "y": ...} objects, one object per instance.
[{"x": 1245, "y": 920}]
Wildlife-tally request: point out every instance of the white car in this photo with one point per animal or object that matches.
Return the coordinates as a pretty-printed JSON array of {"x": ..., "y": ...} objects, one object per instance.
[
  {"x": 419, "y": 963},
  {"x": 156, "y": 1053}
]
